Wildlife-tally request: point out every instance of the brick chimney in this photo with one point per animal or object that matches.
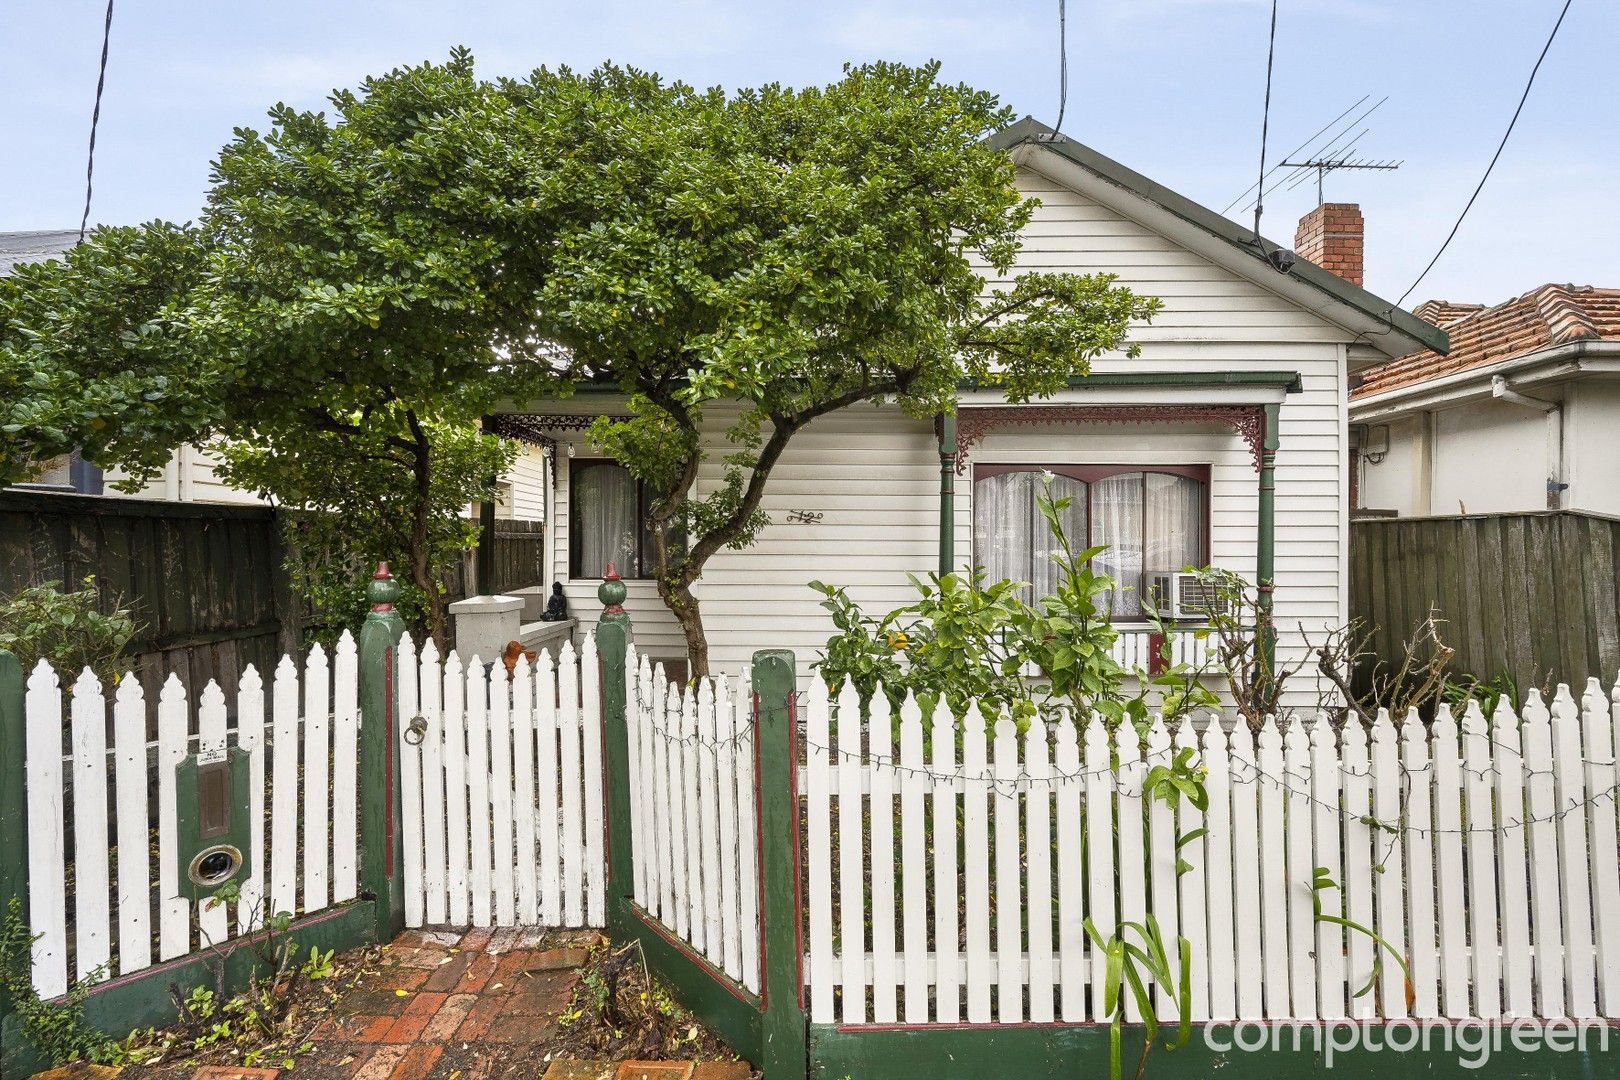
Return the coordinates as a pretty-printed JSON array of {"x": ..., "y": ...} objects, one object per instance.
[{"x": 1333, "y": 236}]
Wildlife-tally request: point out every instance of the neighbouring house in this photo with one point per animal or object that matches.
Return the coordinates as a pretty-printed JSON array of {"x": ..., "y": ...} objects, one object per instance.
[
  {"x": 1522, "y": 414},
  {"x": 189, "y": 476},
  {"x": 1225, "y": 442}
]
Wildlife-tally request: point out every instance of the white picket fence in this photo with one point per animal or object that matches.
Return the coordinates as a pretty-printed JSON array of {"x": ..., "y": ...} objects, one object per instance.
[
  {"x": 105, "y": 907},
  {"x": 947, "y": 880},
  {"x": 502, "y": 795},
  {"x": 695, "y": 832}
]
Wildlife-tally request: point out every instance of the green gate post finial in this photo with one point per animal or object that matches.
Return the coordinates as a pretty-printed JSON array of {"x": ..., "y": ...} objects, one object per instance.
[
  {"x": 382, "y": 843},
  {"x": 13, "y": 795},
  {"x": 782, "y": 1035},
  {"x": 612, "y": 649}
]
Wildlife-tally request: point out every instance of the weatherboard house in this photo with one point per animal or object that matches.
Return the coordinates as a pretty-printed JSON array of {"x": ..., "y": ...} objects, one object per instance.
[{"x": 1225, "y": 442}]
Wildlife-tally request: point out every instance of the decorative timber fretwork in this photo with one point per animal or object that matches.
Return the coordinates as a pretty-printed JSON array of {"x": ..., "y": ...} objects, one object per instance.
[
  {"x": 537, "y": 429},
  {"x": 974, "y": 423}
]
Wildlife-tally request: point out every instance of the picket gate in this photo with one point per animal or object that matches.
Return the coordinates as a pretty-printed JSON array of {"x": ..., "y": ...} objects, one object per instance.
[{"x": 501, "y": 789}]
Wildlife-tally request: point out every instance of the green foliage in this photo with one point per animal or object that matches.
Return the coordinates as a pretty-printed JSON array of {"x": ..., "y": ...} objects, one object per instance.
[
  {"x": 778, "y": 254},
  {"x": 95, "y": 353},
  {"x": 1322, "y": 881},
  {"x": 367, "y": 278},
  {"x": 1136, "y": 967},
  {"x": 1459, "y": 690},
  {"x": 66, "y": 628},
  {"x": 55, "y": 1029},
  {"x": 332, "y": 552},
  {"x": 966, "y": 639}
]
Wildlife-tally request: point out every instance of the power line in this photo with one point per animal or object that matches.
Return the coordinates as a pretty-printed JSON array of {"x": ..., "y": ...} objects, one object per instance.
[
  {"x": 95, "y": 120},
  {"x": 1265, "y": 125},
  {"x": 1499, "y": 148},
  {"x": 1063, "y": 64}
]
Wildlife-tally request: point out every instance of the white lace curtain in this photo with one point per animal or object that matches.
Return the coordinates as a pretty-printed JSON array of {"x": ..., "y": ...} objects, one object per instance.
[
  {"x": 1149, "y": 521},
  {"x": 606, "y": 522}
]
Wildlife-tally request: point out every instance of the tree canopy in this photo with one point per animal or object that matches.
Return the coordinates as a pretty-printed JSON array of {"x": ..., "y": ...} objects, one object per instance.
[{"x": 361, "y": 280}]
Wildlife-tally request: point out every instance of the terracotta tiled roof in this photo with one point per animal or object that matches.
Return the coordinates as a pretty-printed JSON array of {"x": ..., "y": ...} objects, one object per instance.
[{"x": 1540, "y": 319}]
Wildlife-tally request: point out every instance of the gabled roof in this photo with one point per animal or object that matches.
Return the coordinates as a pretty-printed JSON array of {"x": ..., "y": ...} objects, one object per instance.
[
  {"x": 1541, "y": 319},
  {"x": 1388, "y": 328},
  {"x": 35, "y": 246}
]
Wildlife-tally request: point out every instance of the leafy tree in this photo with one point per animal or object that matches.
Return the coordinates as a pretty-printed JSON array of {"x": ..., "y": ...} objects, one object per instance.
[
  {"x": 788, "y": 253},
  {"x": 346, "y": 308}
]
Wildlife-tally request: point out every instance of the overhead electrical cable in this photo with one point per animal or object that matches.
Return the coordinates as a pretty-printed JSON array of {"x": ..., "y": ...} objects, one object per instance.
[
  {"x": 1494, "y": 157},
  {"x": 95, "y": 120}
]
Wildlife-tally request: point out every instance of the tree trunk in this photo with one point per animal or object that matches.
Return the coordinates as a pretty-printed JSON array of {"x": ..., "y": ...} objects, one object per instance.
[
  {"x": 422, "y": 575},
  {"x": 684, "y": 605}
]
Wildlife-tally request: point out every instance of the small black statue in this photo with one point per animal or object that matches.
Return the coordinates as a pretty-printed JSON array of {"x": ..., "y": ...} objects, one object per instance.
[{"x": 557, "y": 606}]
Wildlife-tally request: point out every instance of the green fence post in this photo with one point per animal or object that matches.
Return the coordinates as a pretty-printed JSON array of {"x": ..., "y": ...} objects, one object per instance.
[
  {"x": 382, "y": 849},
  {"x": 782, "y": 1035},
  {"x": 612, "y": 647},
  {"x": 13, "y": 798}
]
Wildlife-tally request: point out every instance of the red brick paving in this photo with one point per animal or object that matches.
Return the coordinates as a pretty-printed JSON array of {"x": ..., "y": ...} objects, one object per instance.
[{"x": 475, "y": 1006}]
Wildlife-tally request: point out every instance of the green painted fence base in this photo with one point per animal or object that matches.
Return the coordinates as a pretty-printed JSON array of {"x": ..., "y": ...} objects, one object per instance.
[
  {"x": 1080, "y": 1052},
  {"x": 711, "y": 995},
  {"x": 142, "y": 999}
]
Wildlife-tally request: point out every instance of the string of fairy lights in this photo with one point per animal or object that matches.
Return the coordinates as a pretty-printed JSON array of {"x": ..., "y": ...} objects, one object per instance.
[{"x": 1011, "y": 784}]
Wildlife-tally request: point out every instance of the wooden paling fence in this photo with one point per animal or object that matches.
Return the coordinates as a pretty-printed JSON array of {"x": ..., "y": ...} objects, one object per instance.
[
  {"x": 950, "y": 867},
  {"x": 100, "y": 901},
  {"x": 502, "y": 789}
]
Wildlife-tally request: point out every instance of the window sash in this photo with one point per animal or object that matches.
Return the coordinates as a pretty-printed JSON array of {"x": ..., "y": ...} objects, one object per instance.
[
  {"x": 633, "y": 555},
  {"x": 1152, "y": 505}
]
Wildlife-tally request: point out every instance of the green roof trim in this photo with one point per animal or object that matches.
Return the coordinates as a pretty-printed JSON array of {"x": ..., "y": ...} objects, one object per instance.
[
  {"x": 1032, "y": 132},
  {"x": 1286, "y": 381}
]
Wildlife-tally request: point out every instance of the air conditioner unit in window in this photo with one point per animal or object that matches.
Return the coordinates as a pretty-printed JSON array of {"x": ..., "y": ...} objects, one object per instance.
[{"x": 1185, "y": 596}]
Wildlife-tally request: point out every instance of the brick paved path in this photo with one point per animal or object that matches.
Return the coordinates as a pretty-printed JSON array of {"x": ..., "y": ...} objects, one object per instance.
[{"x": 480, "y": 1005}]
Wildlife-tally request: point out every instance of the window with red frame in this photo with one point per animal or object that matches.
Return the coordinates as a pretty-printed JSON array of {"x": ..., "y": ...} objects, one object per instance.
[{"x": 1151, "y": 519}]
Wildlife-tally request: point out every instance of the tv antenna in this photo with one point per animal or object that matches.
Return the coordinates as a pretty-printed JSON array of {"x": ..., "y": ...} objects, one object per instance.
[
  {"x": 1332, "y": 147},
  {"x": 1324, "y": 165}
]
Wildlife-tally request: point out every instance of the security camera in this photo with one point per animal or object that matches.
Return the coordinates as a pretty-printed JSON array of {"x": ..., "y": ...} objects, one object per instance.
[{"x": 1282, "y": 260}]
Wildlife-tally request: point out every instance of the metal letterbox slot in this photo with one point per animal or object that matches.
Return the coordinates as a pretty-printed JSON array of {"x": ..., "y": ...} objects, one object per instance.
[{"x": 213, "y": 800}]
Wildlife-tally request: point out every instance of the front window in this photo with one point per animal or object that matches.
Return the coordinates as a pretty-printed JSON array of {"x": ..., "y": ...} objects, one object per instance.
[
  {"x": 609, "y": 522},
  {"x": 1151, "y": 519}
]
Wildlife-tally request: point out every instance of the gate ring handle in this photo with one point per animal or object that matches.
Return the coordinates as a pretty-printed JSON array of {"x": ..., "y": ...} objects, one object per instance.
[{"x": 416, "y": 731}]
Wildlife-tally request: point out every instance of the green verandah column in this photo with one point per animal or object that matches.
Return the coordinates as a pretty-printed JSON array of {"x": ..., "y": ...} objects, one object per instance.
[
  {"x": 776, "y": 738},
  {"x": 1266, "y": 541},
  {"x": 382, "y": 844}
]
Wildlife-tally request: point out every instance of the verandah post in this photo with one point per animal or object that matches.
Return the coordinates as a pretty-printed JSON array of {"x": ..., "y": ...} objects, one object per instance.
[
  {"x": 612, "y": 646},
  {"x": 13, "y": 796},
  {"x": 776, "y": 721},
  {"x": 382, "y": 846}
]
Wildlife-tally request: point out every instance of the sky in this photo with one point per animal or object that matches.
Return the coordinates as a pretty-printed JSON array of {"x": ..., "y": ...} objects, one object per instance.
[{"x": 1171, "y": 88}]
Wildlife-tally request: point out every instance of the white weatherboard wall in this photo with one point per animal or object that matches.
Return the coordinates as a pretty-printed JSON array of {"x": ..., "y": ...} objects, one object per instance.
[{"x": 874, "y": 473}]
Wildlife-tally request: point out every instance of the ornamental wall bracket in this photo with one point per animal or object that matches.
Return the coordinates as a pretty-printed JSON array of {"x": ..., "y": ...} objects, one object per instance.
[{"x": 973, "y": 424}]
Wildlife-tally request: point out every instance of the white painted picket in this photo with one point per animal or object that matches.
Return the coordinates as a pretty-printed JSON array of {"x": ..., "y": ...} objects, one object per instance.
[
  {"x": 105, "y": 910},
  {"x": 1482, "y": 848},
  {"x": 503, "y": 771}
]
